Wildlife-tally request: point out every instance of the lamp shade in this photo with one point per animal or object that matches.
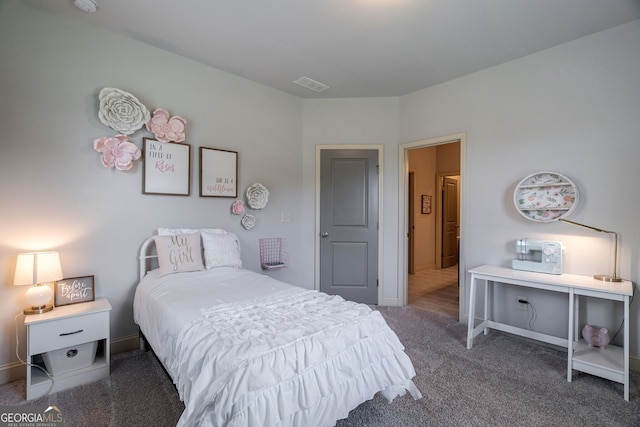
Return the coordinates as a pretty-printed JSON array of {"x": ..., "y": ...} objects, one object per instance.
[{"x": 37, "y": 267}]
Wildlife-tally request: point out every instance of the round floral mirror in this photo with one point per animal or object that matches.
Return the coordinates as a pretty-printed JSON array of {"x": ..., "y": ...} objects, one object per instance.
[{"x": 545, "y": 196}]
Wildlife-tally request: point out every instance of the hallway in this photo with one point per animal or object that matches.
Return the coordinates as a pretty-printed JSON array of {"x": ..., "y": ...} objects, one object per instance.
[{"x": 435, "y": 290}]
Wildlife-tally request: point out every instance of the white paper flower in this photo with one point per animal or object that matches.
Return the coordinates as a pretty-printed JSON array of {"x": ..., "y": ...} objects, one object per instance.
[
  {"x": 257, "y": 196},
  {"x": 248, "y": 221},
  {"x": 121, "y": 111}
]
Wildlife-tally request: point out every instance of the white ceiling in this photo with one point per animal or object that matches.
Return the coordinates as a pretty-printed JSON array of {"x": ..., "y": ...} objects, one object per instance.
[{"x": 360, "y": 48}]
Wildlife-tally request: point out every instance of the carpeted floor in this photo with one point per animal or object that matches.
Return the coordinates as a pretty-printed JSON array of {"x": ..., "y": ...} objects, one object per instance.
[
  {"x": 137, "y": 393},
  {"x": 501, "y": 381}
]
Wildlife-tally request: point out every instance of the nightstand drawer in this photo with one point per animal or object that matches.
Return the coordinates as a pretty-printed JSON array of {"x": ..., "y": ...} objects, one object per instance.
[{"x": 54, "y": 334}]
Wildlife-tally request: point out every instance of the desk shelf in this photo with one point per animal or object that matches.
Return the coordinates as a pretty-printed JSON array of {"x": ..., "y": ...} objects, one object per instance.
[{"x": 603, "y": 362}]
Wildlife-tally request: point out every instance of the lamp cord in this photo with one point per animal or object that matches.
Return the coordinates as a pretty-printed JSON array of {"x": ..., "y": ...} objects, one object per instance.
[
  {"x": 28, "y": 364},
  {"x": 633, "y": 294},
  {"x": 531, "y": 311}
]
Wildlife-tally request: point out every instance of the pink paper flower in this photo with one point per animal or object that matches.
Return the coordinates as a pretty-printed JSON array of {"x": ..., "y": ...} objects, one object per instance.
[
  {"x": 117, "y": 152},
  {"x": 238, "y": 207},
  {"x": 165, "y": 127}
]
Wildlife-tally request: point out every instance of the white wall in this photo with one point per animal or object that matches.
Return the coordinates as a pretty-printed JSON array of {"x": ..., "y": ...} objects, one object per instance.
[
  {"x": 423, "y": 162},
  {"x": 573, "y": 109},
  {"x": 357, "y": 121},
  {"x": 56, "y": 194}
]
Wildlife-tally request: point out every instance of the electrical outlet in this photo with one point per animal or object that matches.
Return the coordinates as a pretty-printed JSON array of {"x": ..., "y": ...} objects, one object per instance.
[
  {"x": 285, "y": 217},
  {"x": 523, "y": 302}
]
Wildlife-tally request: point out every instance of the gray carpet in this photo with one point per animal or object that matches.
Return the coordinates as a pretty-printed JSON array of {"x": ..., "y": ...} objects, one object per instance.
[{"x": 502, "y": 381}]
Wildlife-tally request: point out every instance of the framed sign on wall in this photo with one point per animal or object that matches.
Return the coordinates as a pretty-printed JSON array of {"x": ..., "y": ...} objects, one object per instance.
[
  {"x": 167, "y": 168},
  {"x": 218, "y": 173}
]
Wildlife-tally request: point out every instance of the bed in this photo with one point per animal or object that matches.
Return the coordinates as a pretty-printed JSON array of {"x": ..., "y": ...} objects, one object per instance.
[{"x": 244, "y": 349}]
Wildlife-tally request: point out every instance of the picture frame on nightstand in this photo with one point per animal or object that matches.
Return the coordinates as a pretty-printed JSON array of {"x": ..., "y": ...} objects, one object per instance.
[{"x": 74, "y": 290}]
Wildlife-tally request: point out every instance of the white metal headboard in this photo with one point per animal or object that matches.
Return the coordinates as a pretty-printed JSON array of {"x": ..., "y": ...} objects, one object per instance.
[{"x": 148, "y": 257}]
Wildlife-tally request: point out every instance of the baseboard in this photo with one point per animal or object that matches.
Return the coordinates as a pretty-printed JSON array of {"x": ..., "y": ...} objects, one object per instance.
[
  {"x": 16, "y": 371},
  {"x": 634, "y": 364},
  {"x": 124, "y": 344},
  {"x": 12, "y": 372},
  {"x": 425, "y": 268},
  {"x": 392, "y": 302}
]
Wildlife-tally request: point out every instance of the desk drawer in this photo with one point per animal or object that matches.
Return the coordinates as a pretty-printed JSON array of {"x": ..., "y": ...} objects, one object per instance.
[{"x": 54, "y": 334}]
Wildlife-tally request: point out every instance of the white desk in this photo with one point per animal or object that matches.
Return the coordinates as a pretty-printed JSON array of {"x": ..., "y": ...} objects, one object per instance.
[{"x": 611, "y": 362}]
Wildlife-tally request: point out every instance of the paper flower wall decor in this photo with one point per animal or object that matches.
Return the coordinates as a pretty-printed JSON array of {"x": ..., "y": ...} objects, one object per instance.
[
  {"x": 165, "y": 127},
  {"x": 237, "y": 208},
  {"x": 117, "y": 152},
  {"x": 248, "y": 221},
  {"x": 257, "y": 196},
  {"x": 122, "y": 111}
]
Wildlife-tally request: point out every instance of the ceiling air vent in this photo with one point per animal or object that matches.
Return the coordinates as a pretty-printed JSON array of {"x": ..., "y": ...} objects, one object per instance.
[
  {"x": 86, "y": 5},
  {"x": 311, "y": 84}
]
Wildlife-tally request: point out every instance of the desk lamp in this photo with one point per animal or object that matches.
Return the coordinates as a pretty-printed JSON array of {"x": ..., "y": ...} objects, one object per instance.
[
  {"x": 38, "y": 268},
  {"x": 603, "y": 277}
]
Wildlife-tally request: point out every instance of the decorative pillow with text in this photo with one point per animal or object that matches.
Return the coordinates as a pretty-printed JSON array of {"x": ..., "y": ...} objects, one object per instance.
[{"x": 179, "y": 253}]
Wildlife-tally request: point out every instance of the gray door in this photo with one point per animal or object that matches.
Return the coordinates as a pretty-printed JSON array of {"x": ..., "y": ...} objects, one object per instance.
[
  {"x": 449, "y": 223},
  {"x": 349, "y": 224}
]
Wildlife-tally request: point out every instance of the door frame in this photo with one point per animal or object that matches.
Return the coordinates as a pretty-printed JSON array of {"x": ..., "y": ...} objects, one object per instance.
[
  {"x": 380, "y": 149},
  {"x": 403, "y": 183}
]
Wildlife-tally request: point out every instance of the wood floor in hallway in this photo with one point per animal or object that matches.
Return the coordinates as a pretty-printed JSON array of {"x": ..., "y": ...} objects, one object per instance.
[{"x": 435, "y": 290}]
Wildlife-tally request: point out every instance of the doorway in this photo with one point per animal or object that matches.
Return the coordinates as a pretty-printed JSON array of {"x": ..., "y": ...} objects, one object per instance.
[{"x": 431, "y": 207}]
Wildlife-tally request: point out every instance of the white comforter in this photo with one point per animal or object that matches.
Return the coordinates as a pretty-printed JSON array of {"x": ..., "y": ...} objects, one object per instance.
[{"x": 247, "y": 350}]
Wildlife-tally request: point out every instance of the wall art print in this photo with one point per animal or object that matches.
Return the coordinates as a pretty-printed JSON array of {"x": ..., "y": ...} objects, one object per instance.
[
  {"x": 426, "y": 204},
  {"x": 218, "y": 172},
  {"x": 167, "y": 168}
]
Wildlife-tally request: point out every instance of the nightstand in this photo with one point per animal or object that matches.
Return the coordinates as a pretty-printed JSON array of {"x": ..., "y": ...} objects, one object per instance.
[{"x": 76, "y": 327}]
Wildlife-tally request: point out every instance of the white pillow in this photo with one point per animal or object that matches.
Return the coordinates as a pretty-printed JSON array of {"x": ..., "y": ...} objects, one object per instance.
[
  {"x": 221, "y": 249},
  {"x": 179, "y": 253}
]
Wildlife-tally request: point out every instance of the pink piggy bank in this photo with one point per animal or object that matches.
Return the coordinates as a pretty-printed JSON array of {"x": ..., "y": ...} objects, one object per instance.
[{"x": 596, "y": 336}]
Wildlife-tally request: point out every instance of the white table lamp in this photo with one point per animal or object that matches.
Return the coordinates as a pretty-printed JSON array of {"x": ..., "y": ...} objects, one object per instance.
[
  {"x": 36, "y": 269},
  {"x": 603, "y": 277}
]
